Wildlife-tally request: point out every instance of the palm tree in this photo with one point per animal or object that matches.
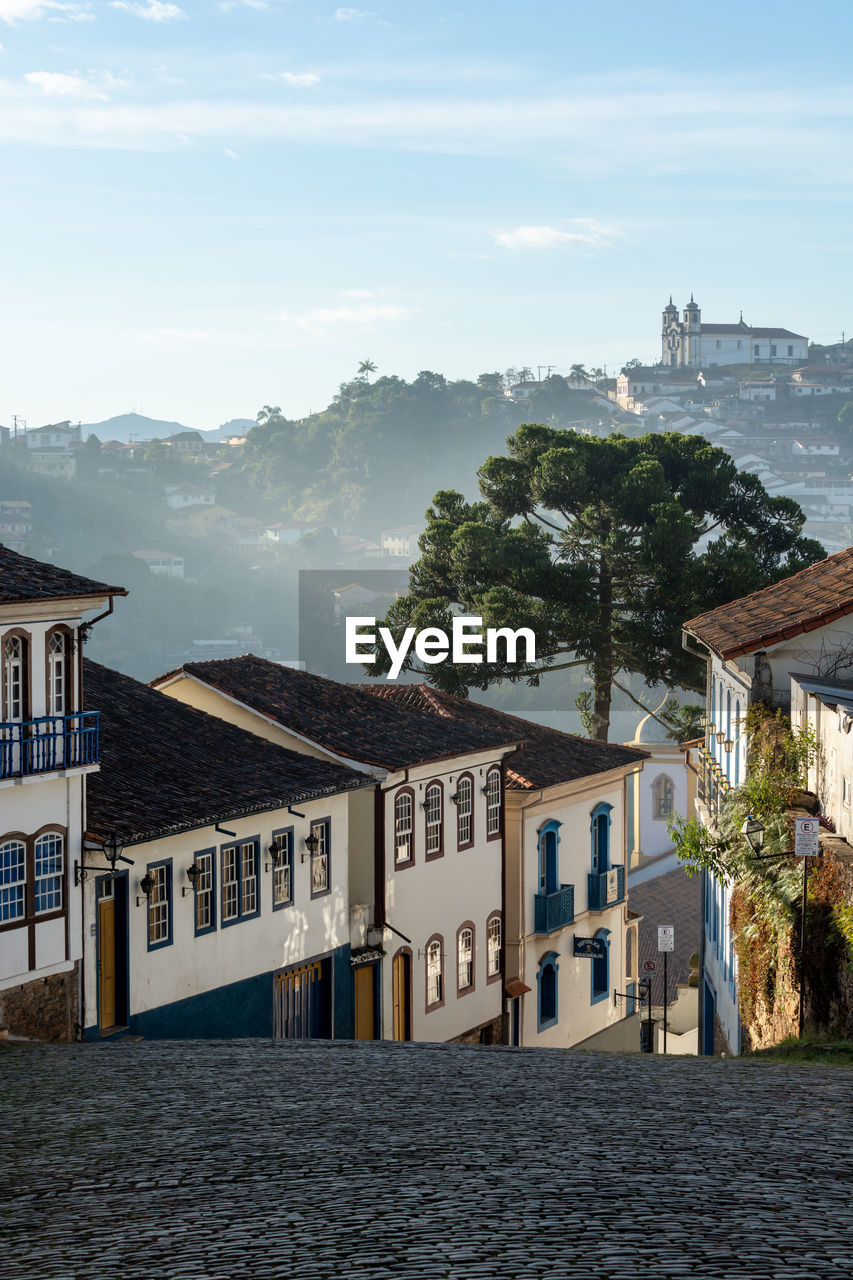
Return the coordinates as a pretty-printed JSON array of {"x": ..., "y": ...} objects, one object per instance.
[
  {"x": 365, "y": 369},
  {"x": 578, "y": 373}
]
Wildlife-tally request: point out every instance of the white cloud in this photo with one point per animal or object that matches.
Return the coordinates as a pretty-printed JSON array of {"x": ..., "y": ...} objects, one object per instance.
[
  {"x": 349, "y": 15},
  {"x": 299, "y": 79},
  {"x": 585, "y": 231},
  {"x": 358, "y": 317},
  {"x": 151, "y": 10},
  {"x": 56, "y": 84},
  {"x": 13, "y": 11},
  {"x": 232, "y": 155},
  {"x": 356, "y": 293}
]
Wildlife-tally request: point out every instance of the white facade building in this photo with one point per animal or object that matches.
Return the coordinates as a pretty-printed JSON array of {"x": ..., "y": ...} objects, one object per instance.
[
  {"x": 48, "y": 744},
  {"x": 693, "y": 343}
]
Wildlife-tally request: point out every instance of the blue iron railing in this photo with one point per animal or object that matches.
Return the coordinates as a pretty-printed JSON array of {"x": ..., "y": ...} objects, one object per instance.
[
  {"x": 606, "y": 888},
  {"x": 48, "y": 743},
  {"x": 554, "y": 910}
]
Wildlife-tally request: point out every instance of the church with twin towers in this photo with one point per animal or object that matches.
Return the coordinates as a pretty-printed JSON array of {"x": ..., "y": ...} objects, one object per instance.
[{"x": 691, "y": 342}]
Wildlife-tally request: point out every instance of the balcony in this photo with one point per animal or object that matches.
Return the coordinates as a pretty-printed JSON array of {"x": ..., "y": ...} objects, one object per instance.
[
  {"x": 606, "y": 888},
  {"x": 30, "y": 747},
  {"x": 554, "y": 910}
]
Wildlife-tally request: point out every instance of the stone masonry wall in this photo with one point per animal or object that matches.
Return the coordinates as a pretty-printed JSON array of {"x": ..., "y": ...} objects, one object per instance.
[{"x": 46, "y": 1009}]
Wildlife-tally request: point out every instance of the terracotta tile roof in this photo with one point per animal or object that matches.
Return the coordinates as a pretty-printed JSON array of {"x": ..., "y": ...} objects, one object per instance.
[
  {"x": 22, "y": 578},
  {"x": 341, "y": 717},
  {"x": 546, "y": 756},
  {"x": 166, "y": 767},
  {"x": 808, "y": 600},
  {"x": 673, "y": 898}
]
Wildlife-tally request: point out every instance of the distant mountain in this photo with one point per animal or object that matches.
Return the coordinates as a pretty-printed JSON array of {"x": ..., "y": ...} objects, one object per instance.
[{"x": 125, "y": 425}]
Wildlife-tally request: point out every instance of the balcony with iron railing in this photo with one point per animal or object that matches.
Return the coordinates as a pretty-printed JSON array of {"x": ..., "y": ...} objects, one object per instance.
[
  {"x": 48, "y": 744},
  {"x": 712, "y": 786},
  {"x": 606, "y": 888},
  {"x": 555, "y": 910}
]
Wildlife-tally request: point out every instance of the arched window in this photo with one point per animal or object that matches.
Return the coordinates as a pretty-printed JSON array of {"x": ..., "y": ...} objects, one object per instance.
[
  {"x": 58, "y": 673},
  {"x": 465, "y": 811},
  {"x": 546, "y": 982},
  {"x": 600, "y": 832},
  {"x": 600, "y": 977},
  {"x": 494, "y": 943},
  {"x": 549, "y": 870},
  {"x": 465, "y": 959},
  {"x": 435, "y": 972},
  {"x": 15, "y": 678},
  {"x": 403, "y": 841},
  {"x": 433, "y": 809},
  {"x": 493, "y": 803},
  {"x": 13, "y": 880},
  {"x": 663, "y": 796}
]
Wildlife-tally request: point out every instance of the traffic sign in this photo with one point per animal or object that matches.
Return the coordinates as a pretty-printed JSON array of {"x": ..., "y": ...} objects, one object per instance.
[
  {"x": 666, "y": 937},
  {"x": 805, "y": 837},
  {"x": 649, "y": 966}
]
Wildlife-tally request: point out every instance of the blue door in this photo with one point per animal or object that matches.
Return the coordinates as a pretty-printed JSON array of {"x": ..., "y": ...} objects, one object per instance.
[{"x": 709, "y": 1011}]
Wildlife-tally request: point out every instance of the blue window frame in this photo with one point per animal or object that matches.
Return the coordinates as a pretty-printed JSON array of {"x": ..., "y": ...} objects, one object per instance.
[
  {"x": 600, "y": 836},
  {"x": 547, "y": 1006},
  {"x": 159, "y": 905},
  {"x": 321, "y": 858},
  {"x": 549, "y": 859},
  {"x": 736, "y": 747},
  {"x": 599, "y": 980},
  {"x": 239, "y": 894},
  {"x": 282, "y": 868},
  {"x": 707, "y": 887},
  {"x": 204, "y": 893}
]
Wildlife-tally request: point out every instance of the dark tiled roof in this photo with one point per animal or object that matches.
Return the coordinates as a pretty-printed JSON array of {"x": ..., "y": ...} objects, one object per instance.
[
  {"x": 676, "y": 899},
  {"x": 808, "y": 600},
  {"x": 22, "y": 578},
  {"x": 341, "y": 717},
  {"x": 546, "y": 757},
  {"x": 166, "y": 767}
]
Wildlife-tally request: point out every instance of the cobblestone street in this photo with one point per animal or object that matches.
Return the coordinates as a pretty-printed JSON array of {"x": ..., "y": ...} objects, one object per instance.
[{"x": 217, "y": 1161}]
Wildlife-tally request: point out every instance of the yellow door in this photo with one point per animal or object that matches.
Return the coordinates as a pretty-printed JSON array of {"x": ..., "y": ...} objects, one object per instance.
[
  {"x": 364, "y": 1024},
  {"x": 400, "y": 988},
  {"x": 107, "y": 961}
]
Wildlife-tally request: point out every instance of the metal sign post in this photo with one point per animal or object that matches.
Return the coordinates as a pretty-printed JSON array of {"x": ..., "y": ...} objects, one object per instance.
[
  {"x": 666, "y": 943},
  {"x": 805, "y": 846}
]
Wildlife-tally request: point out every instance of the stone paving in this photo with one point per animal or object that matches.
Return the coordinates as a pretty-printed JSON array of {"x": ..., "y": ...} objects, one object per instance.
[{"x": 232, "y": 1159}]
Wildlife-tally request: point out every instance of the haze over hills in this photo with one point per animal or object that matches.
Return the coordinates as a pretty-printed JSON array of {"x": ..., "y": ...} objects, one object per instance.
[{"x": 125, "y": 426}]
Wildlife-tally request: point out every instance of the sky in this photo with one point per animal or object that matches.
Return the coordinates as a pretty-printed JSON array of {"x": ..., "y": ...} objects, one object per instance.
[{"x": 209, "y": 207}]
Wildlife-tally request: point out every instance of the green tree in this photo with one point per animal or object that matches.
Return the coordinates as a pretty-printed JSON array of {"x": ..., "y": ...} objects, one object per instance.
[
  {"x": 365, "y": 369},
  {"x": 595, "y": 544}
]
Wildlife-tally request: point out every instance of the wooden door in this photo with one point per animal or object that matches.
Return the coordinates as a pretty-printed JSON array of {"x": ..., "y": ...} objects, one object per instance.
[
  {"x": 107, "y": 961},
  {"x": 364, "y": 1015},
  {"x": 400, "y": 975}
]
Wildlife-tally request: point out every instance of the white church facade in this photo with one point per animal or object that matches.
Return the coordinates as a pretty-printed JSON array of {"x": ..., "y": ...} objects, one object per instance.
[{"x": 690, "y": 342}]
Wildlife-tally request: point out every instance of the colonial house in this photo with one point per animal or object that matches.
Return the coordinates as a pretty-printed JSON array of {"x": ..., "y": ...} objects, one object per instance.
[
  {"x": 803, "y": 624},
  {"x": 48, "y": 744},
  {"x": 219, "y": 873},
  {"x": 696, "y": 344},
  {"x": 433, "y": 825},
  {"x": 570, "y": 947}
]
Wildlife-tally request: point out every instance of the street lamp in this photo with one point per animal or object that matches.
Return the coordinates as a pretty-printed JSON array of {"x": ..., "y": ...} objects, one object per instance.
[
  {"x": 312, "y": 843},
  {"x": 753, "y": 829}
]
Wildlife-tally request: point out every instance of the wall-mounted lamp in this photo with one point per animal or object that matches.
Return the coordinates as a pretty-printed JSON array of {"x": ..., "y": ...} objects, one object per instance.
[
  {"x": 728, "y": 744},
  {"x": 276, "y": 852},
  {"x": 312, "y": 844},
  {"x": 147, "y": 885},
  {"x": 753, "y": 829},
  {"x": 721, "y": 737},
  {"x": 712, "y": 728},
  {"x": 193, "y": 874},
  {"x": 455, "y": 797}
]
